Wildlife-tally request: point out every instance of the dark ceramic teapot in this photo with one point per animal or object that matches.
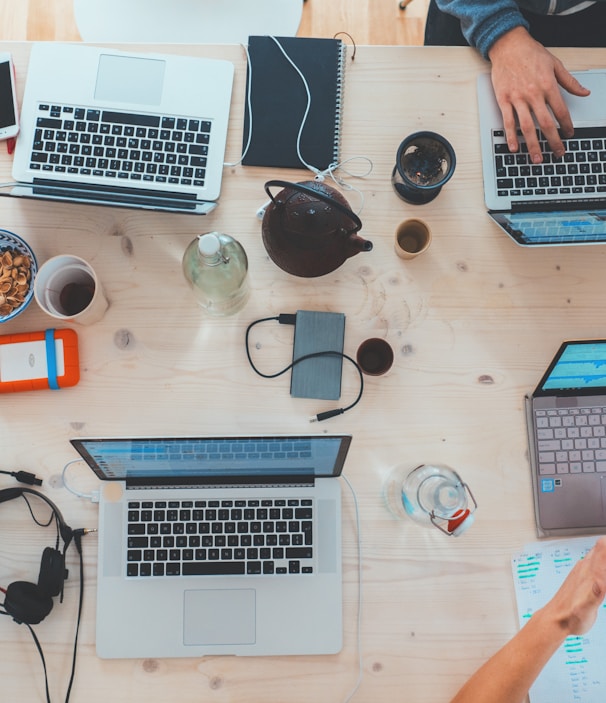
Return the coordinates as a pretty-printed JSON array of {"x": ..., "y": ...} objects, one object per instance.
[{"x": 309, "y": 229}]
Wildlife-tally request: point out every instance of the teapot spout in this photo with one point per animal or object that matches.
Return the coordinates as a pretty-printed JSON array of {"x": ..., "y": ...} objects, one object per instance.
[{"x": 358, "y": 244}]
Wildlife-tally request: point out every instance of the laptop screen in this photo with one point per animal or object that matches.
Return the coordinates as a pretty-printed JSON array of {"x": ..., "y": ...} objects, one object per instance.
[
  {"x": 560, "y": 227},
  {"x": 214, "y": 459},
  {"x": 577, "y": 367}
]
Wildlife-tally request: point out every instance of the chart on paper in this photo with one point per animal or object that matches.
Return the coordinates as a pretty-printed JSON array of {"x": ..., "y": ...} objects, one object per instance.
[{"x": 575, "y": 673}]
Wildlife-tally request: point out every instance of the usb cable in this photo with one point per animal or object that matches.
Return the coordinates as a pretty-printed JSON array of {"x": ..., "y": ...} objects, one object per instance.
[
  {"x": 290, "y": 319},
  {"x": 24, "y": 477}
]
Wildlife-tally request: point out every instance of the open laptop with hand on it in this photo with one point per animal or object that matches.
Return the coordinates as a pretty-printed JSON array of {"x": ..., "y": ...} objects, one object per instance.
[
  {"x": 218, "y": 545},
  {"x": 109, "y": 127},
  {"x": 567, "y": 434},
  {"x": 561, "y": 201}
]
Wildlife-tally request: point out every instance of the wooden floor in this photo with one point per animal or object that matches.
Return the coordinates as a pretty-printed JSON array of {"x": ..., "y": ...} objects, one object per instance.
[{"x": 367, "y": 21}]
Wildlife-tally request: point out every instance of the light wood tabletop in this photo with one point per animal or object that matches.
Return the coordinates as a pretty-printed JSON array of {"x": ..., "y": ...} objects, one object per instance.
[{"x": 473, "y": 323}]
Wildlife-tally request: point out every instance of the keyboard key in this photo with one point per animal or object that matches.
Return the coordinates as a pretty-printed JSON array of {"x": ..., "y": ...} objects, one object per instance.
[
  {"x": 299, "y": 553},
  {"x": 218, "y": 568}
]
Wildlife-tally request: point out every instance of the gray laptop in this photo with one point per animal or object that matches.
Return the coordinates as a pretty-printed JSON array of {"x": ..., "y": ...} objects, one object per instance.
[
  {"x": 558, "y": 202},
  {"x": 218, "y": 545},
  {"x": 116, "y": 128},
  {"x": 567, "y": 433}
]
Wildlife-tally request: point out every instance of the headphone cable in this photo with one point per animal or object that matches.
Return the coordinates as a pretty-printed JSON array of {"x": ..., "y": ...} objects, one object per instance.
[
  {"x": 78, "y": 543},
  {"x": 41, "y": 653}
]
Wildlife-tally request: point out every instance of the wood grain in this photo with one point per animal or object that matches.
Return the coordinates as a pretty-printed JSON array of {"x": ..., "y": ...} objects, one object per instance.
[
  {"x": 473, "y": 323},
  {"x": 367, "y": 21}
]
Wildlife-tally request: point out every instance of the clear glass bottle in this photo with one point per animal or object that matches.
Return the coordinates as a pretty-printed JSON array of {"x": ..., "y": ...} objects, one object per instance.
[
  {"x": 216, "y": 267},
  {"x": 436, "y": 495}
]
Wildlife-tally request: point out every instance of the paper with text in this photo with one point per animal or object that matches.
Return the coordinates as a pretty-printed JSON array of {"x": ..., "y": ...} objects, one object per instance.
[{"x": 575, "y": 673}]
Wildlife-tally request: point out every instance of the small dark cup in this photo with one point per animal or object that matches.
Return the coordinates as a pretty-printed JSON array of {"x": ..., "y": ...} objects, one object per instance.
[
  {"x": 375, "y": 356},
  {"x": 424, "y": 163}
]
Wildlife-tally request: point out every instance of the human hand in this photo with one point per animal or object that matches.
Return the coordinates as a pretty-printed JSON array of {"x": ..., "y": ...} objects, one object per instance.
[
  {"x": 525, "y": 77},
  {"x": 575, "y": 605}
]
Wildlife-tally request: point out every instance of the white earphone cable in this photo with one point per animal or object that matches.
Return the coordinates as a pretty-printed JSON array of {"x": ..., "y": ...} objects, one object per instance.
[
  {"x": 93, "y": 496},
  {"x": 319, "y": 175},
  {"x": 360, "y": 598}
]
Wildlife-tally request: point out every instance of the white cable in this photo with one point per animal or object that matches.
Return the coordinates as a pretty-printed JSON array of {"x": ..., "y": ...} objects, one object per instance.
[
  {"x": 93, "y": 496},
  {"x": 359, "y": 617},
  {"x": 250, "y": 113},
  {"x": 307, "y": 107},
  {"x": 331, "y": 169},
  {"x": 340, "y": 181},
  {"x": 249, "y": 105}
]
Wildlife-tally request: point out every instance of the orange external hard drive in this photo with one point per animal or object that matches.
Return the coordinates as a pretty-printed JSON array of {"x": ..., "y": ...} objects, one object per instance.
[{"x": 34, "y": 361}]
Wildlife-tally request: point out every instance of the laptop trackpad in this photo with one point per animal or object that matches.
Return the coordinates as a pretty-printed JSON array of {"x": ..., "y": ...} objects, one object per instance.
[
  {"x": 219, "y": 616},
  {"x": 582, "y": 110},
  {"x": 127, "y": 79}
]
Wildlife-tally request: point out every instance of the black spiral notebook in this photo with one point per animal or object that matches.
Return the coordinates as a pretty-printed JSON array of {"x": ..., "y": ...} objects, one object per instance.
[{"x": 279, "y": 100}]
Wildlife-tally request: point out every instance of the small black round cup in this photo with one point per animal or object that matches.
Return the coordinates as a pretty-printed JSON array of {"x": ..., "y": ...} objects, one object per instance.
[
  {"x": 424, "y": 163},
  {"x": 375, "y": 356}
]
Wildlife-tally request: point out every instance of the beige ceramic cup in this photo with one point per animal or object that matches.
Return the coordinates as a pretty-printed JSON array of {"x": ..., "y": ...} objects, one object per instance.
[
  {"x": 413, "y": 237},
  {"x": 67, "y": 288}
]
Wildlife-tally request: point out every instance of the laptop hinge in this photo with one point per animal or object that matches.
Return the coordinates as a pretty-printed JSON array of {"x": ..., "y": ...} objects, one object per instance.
[
  {"x": 555, "y": 205},
  {"x": 231, "y": 486},
  {"x": 237, "y": 482},
  {"x": 138, "y": 196}
]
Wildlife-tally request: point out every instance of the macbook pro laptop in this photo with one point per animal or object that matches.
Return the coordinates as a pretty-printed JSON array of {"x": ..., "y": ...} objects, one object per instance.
[
  {"x": 218, "y": 545},
  {"x": 114, "y": 128},
  {"x": 561, "y": 201},
  {"x": 567, "y": 432}
]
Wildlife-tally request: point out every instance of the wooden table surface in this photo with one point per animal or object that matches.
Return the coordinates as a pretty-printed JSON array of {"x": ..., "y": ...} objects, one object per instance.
[{"x": 473, "y": 323}]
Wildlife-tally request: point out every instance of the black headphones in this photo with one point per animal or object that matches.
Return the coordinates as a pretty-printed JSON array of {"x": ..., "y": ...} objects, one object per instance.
[{"x": 28, "y": 602}]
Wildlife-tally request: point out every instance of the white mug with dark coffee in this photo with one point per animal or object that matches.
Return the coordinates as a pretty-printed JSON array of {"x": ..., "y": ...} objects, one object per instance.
[{"x": 66, "y": 287}]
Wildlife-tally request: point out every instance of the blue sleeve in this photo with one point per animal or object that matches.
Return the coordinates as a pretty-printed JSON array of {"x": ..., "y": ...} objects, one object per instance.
[{"x": 484, "y": 21}]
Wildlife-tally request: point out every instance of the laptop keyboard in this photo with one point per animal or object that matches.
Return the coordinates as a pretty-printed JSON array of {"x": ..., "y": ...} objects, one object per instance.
[
  {"x": 582, "y": 169},
  {"x": 571, "y": 440},
  {"x": 120, "y": 146},
  {"x": 220, "y": 537}
]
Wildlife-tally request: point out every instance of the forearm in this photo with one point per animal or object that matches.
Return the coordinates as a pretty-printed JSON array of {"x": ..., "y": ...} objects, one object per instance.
[
  {"x": 507, "y": 676},
  {"x": 484, "y": 21}
]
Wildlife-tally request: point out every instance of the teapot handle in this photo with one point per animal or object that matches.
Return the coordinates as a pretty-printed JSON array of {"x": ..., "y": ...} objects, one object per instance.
[{"x": 316, "y": 194}]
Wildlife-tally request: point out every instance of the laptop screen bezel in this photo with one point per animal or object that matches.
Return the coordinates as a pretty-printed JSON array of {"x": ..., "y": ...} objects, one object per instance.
[
  {"x": 207, "y": 480},
  {"x": 540, "y": 392},
  {"x": 501, "y": 218}
]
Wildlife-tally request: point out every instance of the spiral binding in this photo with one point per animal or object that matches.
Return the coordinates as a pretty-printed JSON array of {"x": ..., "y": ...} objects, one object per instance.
[{"x": 339, "y": 101}]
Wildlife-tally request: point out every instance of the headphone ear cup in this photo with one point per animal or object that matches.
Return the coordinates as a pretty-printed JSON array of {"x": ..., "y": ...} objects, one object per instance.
[
  {"x": 26, "y": 602},
  {"x": 52, "y": 572}
]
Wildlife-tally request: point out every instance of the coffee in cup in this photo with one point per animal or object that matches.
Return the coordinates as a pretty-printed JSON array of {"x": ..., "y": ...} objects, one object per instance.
[
  {"x": 375, "y": 356},
  {"x": 413, "y": 237},
  {"x": 66, "y": 287}
]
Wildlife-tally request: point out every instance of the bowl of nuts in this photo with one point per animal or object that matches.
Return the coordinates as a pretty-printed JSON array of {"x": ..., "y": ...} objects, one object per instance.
[{"x": 18, "y": 267}]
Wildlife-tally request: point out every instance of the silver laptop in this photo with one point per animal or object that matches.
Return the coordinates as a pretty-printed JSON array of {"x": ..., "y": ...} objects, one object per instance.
[
  {"x": 567, "y": 432},
  {"x": 114, "y": 128},
  {"x": 559, "y": 202},
  {"x": 218, "y": 545}
]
